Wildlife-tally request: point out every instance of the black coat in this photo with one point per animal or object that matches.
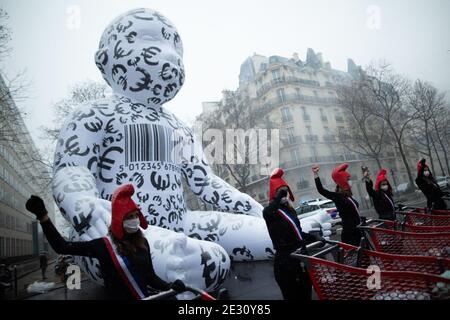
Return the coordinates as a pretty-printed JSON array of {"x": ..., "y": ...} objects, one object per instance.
[
  {"x": 281, "y": 233},
  {"x": 382, "y": 201},
  {"x": 97, "y": 249},
  {"x": 431, "y": 190},
  {"x": 347, "y": 211}
]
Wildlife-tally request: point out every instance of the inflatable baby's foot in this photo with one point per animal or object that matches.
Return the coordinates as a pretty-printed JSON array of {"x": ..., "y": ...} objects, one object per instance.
[{"x": 197, "y": 263}]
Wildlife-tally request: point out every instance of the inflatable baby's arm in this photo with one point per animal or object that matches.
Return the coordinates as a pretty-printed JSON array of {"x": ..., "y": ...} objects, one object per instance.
[
  {"x": 213, "y": 190},
  {"x": 75, "y": 167}
]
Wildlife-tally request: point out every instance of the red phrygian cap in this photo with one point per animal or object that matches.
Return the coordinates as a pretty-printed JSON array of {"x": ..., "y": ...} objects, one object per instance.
[
  {"x": 380, "y": 178},
  {"x": 419, "y": 166},
  {"x": 340, "y": 176},
  {"x": 276, "y": 182},
  {"x": 122, "y": 204}
]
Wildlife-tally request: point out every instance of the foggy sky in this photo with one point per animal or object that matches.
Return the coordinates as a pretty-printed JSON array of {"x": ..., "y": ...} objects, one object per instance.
[{"x": 219, "y": 35}]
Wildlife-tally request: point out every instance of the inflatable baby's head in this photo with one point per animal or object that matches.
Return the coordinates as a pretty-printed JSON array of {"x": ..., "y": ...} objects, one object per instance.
[{"x": 140, "y": 56}]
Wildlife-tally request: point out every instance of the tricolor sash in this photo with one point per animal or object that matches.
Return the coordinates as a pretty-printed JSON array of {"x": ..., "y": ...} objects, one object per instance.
[
  {"x": 355, "y": 206},
  {"x": 126, "y": 272},
  {"x": 390, "y": 201},
  {"x": 291, "y": 222}
]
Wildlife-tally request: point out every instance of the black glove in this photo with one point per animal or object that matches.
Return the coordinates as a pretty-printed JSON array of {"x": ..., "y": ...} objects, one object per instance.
[
  {"x": 36, "y": 206},
  {"x": 178, "y": 286}
]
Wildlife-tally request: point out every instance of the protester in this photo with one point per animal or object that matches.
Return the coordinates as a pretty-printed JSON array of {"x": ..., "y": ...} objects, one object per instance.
[
  {"x": 124, "y": 263},
  {"x": 287, "y": 236},
  {"x": 429, "y": 187},
  {"x": 346, "y": 205},
  {"x": 382, "y": 194}
]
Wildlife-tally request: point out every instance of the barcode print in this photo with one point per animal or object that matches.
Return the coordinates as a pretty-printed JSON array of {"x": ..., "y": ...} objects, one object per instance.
[{"x": 150, "y": 142}]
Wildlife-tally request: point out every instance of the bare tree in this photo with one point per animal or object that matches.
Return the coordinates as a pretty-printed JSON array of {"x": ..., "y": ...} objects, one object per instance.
[
  {"x": 12, "y": 90},
  {"x": 80, "y": 93},
  {"x": 5, "y": 34},
  {"x": 428, "y": 105},
  {"x": 237, "y": 112},
  {"x": 390, "y": 92},
  {"x": 366, "y": 134},
  {"x": 441, "y": 132}
]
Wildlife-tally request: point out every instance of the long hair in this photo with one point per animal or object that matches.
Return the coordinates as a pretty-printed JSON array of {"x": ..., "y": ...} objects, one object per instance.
[
  {"x": 130, "y": 243},
  {"x": 347, "y": 193}
]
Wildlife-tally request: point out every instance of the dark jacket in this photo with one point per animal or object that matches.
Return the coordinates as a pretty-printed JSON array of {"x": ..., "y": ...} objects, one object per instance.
[
  {"x": 347, "y": 211},
  {"x": 96, "y": 248},
  {"x": 282, "y": 234},
  {"x": 43, "y": 261},
  {"x": 382, "y": 201},
  {"x": 430, "y": 189}
]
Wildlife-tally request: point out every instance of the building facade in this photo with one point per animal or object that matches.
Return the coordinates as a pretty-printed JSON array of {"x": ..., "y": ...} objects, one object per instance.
[
  {"x": 20, "y": 176},
  {"x": 302, "y": 102}
]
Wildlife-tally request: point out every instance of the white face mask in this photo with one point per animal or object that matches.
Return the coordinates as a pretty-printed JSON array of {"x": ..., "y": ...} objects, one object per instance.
[
  {"x": 284, "y": 200},
  {"x": 385, "y": 187},
  {"x": 131, "y": 225},
  {"x": 426, "y": 173}
]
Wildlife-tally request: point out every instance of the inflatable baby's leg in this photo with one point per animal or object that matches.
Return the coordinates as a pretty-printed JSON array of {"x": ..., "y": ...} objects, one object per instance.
[
  {"x": 197, "y": 263},
  {"x": 243, "y": 237}
]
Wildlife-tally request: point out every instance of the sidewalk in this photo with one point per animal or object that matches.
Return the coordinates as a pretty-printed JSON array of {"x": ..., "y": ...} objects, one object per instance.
[{"x": 36, "y": 275}]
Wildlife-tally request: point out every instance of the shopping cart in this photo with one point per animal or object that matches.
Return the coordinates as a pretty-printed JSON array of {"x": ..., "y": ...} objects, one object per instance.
[
  {"x": 407, "y": 243},
  {"x": 362, "y": 258},
  {"x": 345, "y": 276},
  {"x": 402, "y": 207},
  {"x": 423, "y": 219},
  {"x": 403, "y": 226}
]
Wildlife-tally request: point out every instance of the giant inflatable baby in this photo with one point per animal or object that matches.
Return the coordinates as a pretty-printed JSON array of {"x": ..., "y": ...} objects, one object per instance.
[{"x": 130, "y": 137}]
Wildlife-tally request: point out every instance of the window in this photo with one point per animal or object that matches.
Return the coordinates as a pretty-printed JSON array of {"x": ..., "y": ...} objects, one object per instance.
[
  {"x": 295, "y": 156},
  {"x": 306, "y": 116},
  {"x": 308, "y": 128},
  {"x": 315, "y": 93},
  {"x": 276, "y": 74},
  {"x": 281, "y": 95},
  {"x": 8, "y": 247},
  {"x": 313, "y": 152},
  {"x": 286, "y": 115},
  {"x": 323, "y": 117},
  {"x": 297, "y": 92},
  {"x": 291, "y": 135}
]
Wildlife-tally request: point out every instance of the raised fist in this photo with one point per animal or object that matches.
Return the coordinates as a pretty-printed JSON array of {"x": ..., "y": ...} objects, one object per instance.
[
  {"x": 315, "y": 168},
  {"x": 36, "y": 206}
]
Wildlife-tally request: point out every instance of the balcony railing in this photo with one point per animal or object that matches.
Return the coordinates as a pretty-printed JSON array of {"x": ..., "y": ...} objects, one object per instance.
[
  {"x": 306, "y": 161},
  {"x": 311, "y": 138},
  {"x": 302, "y": 185},
  {"x": 339, "y": 119},
  {"x": 287, "y": 118},
  {"x": 324, "y": 118},
  {"x": 281, "y": 80},
  {"x": 293, "y": 98},
  {"x": 290, "y": 140},
  {"x": 329, "y": 138}
]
